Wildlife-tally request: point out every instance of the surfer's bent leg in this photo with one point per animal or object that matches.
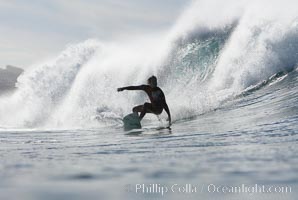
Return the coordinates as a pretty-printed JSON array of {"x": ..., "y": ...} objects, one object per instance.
[
  {"x": 147, "y": 108},
  {"x": 137, "y": 109}
]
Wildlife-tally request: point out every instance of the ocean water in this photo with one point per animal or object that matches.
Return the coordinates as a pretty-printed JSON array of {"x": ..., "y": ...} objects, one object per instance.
[{"x": 231, "y": 83}]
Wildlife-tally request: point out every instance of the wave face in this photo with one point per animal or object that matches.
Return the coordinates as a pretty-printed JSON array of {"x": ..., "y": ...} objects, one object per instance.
[{"x": 209, "y": 57}]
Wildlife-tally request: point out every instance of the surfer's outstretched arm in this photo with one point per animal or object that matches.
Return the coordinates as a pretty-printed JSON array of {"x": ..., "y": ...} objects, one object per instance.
[
  {"x": 140, "y": 87},
  {"x": 168, "y": 112}
]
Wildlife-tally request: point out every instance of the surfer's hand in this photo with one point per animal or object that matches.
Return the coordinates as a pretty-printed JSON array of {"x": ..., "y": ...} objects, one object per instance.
[
  {"x": 119, "y": 89},
  {"x": 170, "y": 124},
  {"x": 169, "y": 120}
]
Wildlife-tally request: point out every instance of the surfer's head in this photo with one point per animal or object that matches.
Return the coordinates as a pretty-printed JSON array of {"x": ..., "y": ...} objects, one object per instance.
[{"x": 152, "y": 81}]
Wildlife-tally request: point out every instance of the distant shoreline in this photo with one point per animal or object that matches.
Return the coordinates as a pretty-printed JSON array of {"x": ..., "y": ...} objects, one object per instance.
[{"x": 8, "y": 78}]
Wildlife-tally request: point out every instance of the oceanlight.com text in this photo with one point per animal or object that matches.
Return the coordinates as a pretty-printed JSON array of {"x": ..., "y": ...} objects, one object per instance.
[{"x": 163, "y": 189}]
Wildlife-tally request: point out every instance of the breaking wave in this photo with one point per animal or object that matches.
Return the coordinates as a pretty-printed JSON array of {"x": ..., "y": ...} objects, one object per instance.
[{"x": 210, "y": 56}]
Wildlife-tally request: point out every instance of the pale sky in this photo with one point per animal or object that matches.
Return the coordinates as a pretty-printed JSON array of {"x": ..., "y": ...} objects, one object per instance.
[{"x": 33, "y": 30}]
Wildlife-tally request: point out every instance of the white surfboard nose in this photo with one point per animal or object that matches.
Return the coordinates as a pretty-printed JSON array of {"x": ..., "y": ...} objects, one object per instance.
[{"x": 132, "y": 121}]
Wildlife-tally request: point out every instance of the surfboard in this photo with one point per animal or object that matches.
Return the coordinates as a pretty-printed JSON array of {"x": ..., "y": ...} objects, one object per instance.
[{"x": 132, "y": 121}]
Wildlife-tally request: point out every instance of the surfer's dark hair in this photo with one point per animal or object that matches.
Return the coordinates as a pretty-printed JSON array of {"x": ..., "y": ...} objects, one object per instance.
[{"x": 153, "y": 80}]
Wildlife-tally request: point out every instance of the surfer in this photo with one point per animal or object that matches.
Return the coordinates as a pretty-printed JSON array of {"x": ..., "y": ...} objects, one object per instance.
[{"x": 156, "y": 96}]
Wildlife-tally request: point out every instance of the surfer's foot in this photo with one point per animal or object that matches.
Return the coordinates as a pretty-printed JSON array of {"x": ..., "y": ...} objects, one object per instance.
[{"x": 136, "y": 113}]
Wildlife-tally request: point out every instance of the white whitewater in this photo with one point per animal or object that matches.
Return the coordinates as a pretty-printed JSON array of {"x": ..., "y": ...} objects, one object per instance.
[{"x": 74, "y": 89}]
